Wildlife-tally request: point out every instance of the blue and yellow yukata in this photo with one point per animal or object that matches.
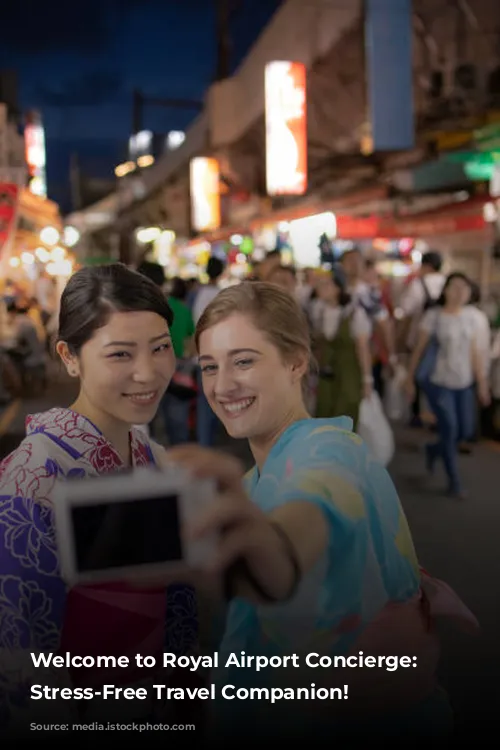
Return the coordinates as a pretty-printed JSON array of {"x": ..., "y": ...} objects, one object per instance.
[{"x": 369, "y": 562}]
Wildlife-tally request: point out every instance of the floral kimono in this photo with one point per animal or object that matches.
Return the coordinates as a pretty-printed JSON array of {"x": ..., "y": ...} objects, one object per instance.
[{"x": 37, "y": 611}]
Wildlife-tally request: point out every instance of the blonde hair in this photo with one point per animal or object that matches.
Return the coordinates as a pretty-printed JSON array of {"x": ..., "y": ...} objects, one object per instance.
[{"x": 272, "y": 310}]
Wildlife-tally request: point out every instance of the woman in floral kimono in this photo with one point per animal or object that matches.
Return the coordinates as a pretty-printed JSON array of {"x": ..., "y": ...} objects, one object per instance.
[{"x": 114, "y": 337}]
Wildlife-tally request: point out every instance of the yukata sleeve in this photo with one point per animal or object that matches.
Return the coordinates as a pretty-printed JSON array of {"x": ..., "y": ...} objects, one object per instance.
[
  {"x": 32, "y": 592},
  {"x": 370, "y": 558},
  {"x": 327, "y": 471}
]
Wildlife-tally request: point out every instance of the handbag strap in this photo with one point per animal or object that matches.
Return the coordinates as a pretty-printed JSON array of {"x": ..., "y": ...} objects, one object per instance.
[
  {"x": 437, "y": 322},
  {"x": 428, "y": 297}
]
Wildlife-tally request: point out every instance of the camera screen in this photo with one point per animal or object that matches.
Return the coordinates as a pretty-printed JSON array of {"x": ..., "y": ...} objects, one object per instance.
[{"x": 126, "y": 534}]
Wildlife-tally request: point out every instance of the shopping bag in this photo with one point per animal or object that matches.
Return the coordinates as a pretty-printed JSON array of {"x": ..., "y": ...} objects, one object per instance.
[
  {"x": 375, "y": 429},
  {"x": 395, "y": 400}
]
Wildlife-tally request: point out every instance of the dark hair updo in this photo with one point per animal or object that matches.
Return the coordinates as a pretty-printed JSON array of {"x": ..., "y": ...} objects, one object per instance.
[{"x": 93, "y": 294}]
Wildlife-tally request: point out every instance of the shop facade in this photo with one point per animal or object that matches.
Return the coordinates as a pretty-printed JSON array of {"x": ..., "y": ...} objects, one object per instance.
[{"x": 35, "y": 242}]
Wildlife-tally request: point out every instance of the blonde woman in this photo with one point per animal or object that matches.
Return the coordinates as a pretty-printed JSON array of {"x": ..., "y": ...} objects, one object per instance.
[{"x": 316, "y": 551}]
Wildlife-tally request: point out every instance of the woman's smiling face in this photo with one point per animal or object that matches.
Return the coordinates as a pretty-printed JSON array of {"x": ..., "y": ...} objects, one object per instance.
[
  {"x": 126, "y": 366},
  {"x": 245, "y": 379}
]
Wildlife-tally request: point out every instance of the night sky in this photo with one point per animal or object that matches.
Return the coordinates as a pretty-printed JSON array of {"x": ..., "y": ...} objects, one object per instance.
[{"x": 79, "y": 61}]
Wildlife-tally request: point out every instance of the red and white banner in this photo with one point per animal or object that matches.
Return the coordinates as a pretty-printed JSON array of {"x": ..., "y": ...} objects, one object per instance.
[
  {"x": 447, "y": 221},
  {"x": 286, "y": 128}
]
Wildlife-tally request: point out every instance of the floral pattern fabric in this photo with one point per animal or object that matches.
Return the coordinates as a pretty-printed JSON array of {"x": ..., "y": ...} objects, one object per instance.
[{"x": 37, "y": 612}]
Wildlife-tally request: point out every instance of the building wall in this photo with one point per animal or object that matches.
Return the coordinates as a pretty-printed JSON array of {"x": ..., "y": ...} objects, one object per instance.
[
  {"x": 12, "y": 164},
  {"x": 310, "y": 32},
  {"x": 300, "y": 31},
  {"x": 468, "y": 252},
  {"x": 445, "y": 37}
]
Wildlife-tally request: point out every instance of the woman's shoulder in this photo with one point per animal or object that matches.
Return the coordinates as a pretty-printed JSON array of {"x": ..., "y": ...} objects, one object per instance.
[
  {"x": 313, "y": 429},
  {"x": 323, "y": 441},
  {"x": 325, "y": 463},
  {"x": 30, "y": 469},
  {"x": 432, "y": 320},
  {"x": 475, "y": 316}
]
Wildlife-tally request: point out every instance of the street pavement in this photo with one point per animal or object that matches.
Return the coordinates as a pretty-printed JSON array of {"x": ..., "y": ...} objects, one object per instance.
[{"x": 457, "y": 541}]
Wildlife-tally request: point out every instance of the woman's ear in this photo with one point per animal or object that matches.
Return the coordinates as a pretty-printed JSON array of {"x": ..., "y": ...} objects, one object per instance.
[
  {"x": 300, "y": 366},
  {"x": 70, "y": 361}
]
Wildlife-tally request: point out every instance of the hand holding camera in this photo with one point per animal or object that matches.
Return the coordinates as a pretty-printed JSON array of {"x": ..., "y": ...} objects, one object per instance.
[{"x": 192, "y": 514}]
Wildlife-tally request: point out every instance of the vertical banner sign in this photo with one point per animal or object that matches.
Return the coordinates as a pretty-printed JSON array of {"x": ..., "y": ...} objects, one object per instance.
[
  {"x": 34, "y": 140},
  {"x": 205, "y": 194},
  {"x": 286, "y": 128},
  {"x": 388, "y": 39},
  {"x": 9, "y": 198}
]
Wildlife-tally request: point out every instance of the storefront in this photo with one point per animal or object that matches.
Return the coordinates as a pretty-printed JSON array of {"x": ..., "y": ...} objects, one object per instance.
[
  {"x": 316, "y": 234},
  {"x": 236, "y": 253},
  {"x": 37, "y": 244},
  {"x": 459, "y": 232}
]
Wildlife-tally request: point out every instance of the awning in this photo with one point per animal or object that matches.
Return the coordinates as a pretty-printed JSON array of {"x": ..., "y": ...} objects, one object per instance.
[{"x": 465, "y": 216}]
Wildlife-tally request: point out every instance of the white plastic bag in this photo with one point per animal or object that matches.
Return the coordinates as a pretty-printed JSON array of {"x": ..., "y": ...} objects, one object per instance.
[
  {"x": 395, "y": 401},
  {"x": 375, "y": 429}
]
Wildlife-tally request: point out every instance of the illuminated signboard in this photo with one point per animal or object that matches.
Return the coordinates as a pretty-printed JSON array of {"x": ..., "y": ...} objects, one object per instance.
[
  {"x": 34, "y": 141},
  {"x": 286, "y": 128},
  {"x": 205, "y": 194}
]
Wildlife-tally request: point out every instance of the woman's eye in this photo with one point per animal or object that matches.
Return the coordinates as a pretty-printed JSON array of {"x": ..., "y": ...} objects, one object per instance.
[
  {"x": 163, "y": 347},
  {"x": 244, "y": 362},
  {"x": 208, "y": 368},
  {"x": 119, "y": 355}
]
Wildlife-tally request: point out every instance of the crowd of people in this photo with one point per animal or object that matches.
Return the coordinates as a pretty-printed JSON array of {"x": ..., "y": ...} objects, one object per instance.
[
  {"x": 28, "y": 321},
  {"x": 361, "y": 339},
  {"x": 315, "y": 552}
]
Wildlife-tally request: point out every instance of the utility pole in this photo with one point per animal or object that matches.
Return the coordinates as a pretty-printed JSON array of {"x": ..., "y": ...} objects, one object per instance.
[
  {"x": 224, "y": 10},
  {"x": 137, "y": 106},
  {"x": 75, "y": 182}
]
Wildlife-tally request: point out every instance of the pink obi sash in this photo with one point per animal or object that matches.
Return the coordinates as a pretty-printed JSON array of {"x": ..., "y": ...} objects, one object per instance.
[
  {"x": 114, "y": 620},
  {"x": 402, "y": 629}
]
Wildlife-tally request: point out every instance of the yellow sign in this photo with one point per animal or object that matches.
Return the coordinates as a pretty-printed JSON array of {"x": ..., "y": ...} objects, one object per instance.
[{"x": 205, "y": 194}]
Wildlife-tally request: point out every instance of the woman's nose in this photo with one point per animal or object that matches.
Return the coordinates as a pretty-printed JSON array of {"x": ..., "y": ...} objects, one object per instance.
[
  {"x": 144, "y": 371},
  {"x": 224, "y": 382}
]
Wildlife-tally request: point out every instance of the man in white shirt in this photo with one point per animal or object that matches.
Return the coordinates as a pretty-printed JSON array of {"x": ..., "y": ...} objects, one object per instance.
[
  {"x": 206, "y": 421},
  {"x": 208, "y": 292},
  {"x": 421, "y": 295}
]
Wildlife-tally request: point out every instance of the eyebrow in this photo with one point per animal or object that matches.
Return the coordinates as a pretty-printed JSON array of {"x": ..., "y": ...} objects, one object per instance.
[
  {"x": 231, "y": 353},
  {"x": 133, "y": 343}
]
